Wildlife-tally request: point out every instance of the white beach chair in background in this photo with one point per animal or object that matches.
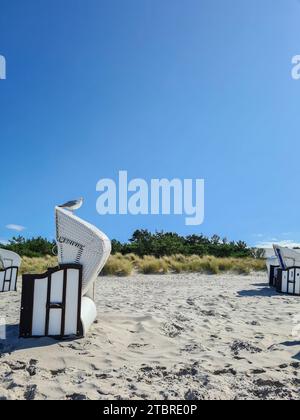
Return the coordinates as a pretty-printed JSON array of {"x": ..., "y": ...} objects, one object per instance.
[
  {"x": 287, "y": 257},
  {"x": 61, "y": 302},
  {"x": 10, "y": 263},
  {"x": 272, "y": 267},
  {"x": 285, "y": 275}
]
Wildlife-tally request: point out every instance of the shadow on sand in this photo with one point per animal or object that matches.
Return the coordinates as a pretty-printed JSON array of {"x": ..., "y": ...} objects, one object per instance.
[
  {"x": 297, "y": 357},
  {"x": 263, "y": 291},
  {"x": 261, "y": 284},
  {"x": 292, "y": 344},
  {"x": 13, "y": 343}
]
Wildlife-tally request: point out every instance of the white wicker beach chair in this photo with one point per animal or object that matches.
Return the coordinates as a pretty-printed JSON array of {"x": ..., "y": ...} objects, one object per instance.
[
  {"x": 287, "y": 257},
  {"x": 9, "y": 270},
  {"x": 61, "y": 302},
  {"x": 284, "y": 272}
]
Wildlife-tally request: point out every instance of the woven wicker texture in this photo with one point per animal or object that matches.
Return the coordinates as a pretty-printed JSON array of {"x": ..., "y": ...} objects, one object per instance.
[{"x": 81, "y": 243}]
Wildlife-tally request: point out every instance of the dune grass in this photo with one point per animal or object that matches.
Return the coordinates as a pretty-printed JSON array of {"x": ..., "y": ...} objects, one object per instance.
[
  {"x": 118, "y": 266},
  {"x": 37, "y": 265},
  {"x": 125, "y": 265},
  {"x": 150, "y": 265}
]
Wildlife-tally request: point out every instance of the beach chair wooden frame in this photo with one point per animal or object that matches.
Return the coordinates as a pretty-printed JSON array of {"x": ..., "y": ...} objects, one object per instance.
[
  {"x": 9, "y": 279},
  {"x": 9, "y": 274},
  {"x": 288, "y": 281},
  {"x": 273, "y": 273},
  {"x": 51, "y": 303}
]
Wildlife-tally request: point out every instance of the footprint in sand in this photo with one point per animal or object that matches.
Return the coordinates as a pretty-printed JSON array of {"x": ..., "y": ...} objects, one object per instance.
[
  {"x": 137, "y": 346},
  {"x": 239, "y": 345},
  {"x": 172, "y": 330}
]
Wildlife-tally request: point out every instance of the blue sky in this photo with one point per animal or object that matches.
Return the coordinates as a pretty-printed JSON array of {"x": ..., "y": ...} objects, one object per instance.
[{"x": 172, "y": 88}]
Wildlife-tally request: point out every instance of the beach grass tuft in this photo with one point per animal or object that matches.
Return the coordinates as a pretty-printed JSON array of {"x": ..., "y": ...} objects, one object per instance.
[
  {"x": 125, "y": 265},
  {"x": 195, "y": 264},
  {"x": 37, "y": 265},
  {"x": 118, "y": 266},
  {"x": 151, "y": 265}
]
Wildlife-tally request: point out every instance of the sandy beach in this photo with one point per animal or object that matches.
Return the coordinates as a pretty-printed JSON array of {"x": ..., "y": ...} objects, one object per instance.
[{"x": 163, "y": 337}]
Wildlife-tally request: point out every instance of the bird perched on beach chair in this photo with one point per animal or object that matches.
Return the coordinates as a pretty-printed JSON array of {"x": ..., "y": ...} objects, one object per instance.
[{"x": 72, "y": 205}]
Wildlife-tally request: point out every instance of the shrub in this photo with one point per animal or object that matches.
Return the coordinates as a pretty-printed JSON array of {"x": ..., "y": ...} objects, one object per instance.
[
  {"x": 117, "y": 266},
  {"x": 176, "y": 266},
  {"x": 34, "y": 247},
  {"x": 153, "y": 266},
  {"x": 37, "y": 265},
  {"x": 124, "y": 265},
  {"x": 162, "y": 244},
  {"x": 242, "y": 268},
  {"x": 226, "y": 264}
]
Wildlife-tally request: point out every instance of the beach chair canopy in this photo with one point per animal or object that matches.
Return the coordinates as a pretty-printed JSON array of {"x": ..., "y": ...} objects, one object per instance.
[
  {"x": 10, "y": 263},
  {"x": 79, "y": 242},
  {"x": 287, "y": 257},
  {"x": 9, "y": 259}
]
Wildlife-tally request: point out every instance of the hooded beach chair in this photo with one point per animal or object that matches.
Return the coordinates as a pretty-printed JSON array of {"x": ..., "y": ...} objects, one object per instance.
[
  {"x": 10, "y": 263},
  {"x": 286, "y": 276},
  {"x": 272, "y": 268},
  {"x": 287, "y": 257},
  {"x": 61, "y": 302}
]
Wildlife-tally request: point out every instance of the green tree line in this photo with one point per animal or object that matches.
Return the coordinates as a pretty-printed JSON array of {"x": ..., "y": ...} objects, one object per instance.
[
  {"x": 143, "y": 243},
  {"x": 162, "y": 244},
  {"x": 34, "y": 247}
]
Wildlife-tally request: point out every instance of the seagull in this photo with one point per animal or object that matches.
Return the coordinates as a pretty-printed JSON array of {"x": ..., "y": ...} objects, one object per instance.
[{"x": 73, "y": 205}]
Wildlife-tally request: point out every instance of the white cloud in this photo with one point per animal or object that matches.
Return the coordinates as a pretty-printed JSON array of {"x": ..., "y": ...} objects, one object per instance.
[
  {"x": 286, "y": 243},
  {"x": 16, "y": 228},
  {"x": 3, "y": 242}
]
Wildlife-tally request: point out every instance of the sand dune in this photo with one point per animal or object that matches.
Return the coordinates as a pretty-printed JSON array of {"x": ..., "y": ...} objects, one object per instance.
[{"x": 163, "y": 337}]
